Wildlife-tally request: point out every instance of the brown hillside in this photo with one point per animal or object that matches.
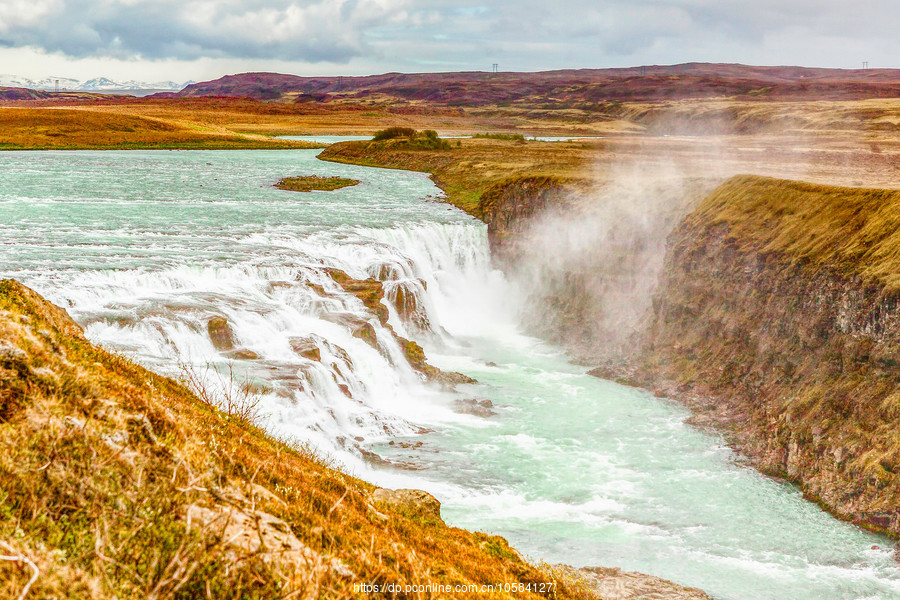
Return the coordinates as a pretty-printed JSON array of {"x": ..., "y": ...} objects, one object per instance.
[{"x": 693, "y": 80}]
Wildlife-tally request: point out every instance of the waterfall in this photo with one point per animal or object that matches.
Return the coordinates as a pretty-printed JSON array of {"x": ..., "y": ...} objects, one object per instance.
[{"x": 291, "y": 326}]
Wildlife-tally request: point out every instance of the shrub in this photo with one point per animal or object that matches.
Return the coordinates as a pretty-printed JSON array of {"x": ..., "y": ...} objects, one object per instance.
[
  {"x": 513, "y": 137},
  {"x": 411, "y": 139},
  {"x": 392, "y": 133}
]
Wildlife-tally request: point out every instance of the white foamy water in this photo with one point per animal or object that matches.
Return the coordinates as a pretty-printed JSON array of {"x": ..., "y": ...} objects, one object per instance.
[{"x": 144, "y": 248}]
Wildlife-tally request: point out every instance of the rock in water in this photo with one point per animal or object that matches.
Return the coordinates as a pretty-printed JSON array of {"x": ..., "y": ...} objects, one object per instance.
[
  {"x": 471, "y": 406},
  {"x": 616, "y": 584},
  {"x": 220, "y": 334},
  {"x": 306, "y": 347}
]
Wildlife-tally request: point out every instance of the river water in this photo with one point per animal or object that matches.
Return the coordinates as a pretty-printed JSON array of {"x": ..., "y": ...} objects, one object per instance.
[{"x": 144, "y": 247}]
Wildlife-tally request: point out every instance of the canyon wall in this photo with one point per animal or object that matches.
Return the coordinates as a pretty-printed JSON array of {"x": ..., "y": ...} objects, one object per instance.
[
  {"x": 776, "y": 317},
  {"x": 773, "y": 316}
]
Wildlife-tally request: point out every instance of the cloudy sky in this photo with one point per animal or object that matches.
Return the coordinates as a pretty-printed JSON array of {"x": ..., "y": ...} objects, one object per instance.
[{"x": 203, "y": 39}]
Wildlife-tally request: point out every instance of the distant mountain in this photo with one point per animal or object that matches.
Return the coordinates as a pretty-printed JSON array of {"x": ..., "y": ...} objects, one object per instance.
[
  {"x": 91, "y": 85},
  {"x": 18, "y": 93},
  {"x": 566, "y": 87}
]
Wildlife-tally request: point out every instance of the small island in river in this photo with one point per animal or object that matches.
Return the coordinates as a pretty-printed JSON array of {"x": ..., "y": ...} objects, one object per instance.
[{"x": 308, "y": 183}]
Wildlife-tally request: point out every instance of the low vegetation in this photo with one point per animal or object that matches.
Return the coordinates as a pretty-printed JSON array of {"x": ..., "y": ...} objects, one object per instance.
[
  {"x": 309, "y": 183},
  {"x": 392, "y": 133}
]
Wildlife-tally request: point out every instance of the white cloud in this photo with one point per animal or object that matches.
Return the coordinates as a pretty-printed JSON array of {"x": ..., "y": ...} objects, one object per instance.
[
  {"x": 363, "y": 36},
  {"x": 25, "y": 13}
]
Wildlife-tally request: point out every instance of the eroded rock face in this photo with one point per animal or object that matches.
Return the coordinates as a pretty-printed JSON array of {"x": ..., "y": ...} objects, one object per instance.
[
  {"x": 223, "y": 339},
  {"x": 798, "y": 363},
  {"x": 306, "y": 347},
  {"x": 587, "y": 258},
  {"x": 405, "y": 296},
  {"x": 369, "y": 291},
  {"x": 417, "y": 502},
  {"x": 797, "y": 360}
]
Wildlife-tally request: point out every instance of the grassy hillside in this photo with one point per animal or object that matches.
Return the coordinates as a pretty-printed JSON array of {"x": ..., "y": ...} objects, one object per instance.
[{"x": 118, "y": 483}]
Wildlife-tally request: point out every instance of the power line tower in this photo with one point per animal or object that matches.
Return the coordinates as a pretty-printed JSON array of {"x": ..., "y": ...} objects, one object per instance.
[
  {"x": 494, "y": 68},
  {"x": 865, "y": 64}
]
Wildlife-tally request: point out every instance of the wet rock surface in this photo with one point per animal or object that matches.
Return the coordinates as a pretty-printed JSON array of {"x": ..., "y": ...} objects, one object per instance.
[
  {"x": 307, "y": 347},
  {"x": 371, "y": 293},
  {"x": 224, "y": 340},
  {"x": 220, "y": 334},
  {"x": 472, "y": 406}
]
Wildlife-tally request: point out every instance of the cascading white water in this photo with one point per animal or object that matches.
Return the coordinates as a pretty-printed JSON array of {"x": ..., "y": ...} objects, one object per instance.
[
  {"x": 352, "y": 394},
  {"x": 145, "y": 248}
]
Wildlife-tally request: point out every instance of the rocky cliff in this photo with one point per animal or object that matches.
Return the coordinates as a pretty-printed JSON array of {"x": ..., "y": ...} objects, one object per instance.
[
  {"x": 587, "y": 253},
  {"x": 776, "y": 317}
]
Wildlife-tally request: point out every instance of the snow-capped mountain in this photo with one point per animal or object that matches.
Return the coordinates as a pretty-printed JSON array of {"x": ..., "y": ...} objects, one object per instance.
[{"x": 91, "y": 85}]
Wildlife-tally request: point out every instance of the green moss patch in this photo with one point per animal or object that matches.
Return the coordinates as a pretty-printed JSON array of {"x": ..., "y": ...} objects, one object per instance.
[{"x": 309, "y": 183}]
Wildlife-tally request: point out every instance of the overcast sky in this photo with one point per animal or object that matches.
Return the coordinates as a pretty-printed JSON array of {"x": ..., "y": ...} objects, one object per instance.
[{"x": 204, "y": 39}]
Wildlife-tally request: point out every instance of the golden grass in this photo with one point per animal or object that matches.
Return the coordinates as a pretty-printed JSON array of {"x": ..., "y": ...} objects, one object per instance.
[
  {"x": 65, "y": 128},
  {"x": 119, "y": 483},
  {"x": 854, "y": 230},
  {"x": 472, "y": 166}
]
